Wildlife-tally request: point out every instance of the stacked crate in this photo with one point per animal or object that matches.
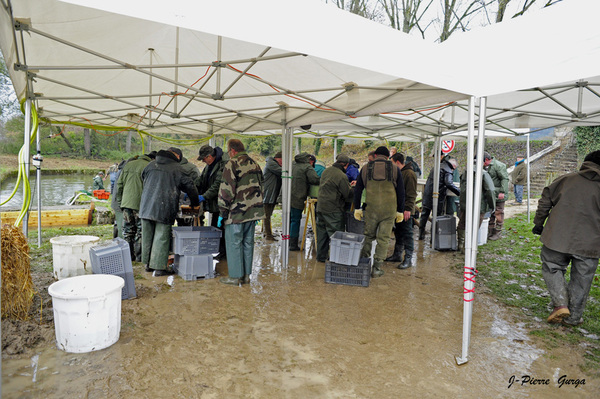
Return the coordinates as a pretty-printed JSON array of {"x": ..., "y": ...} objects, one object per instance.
[
  {"x": 345, "y": 265},
  {"x": 194, "y": 247},
  {"x": 114, "y": 258}
]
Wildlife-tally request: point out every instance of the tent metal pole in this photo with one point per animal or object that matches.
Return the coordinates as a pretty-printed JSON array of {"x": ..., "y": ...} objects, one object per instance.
[
  {"x": 25, "y": 159},
  {"x": 286, "y": 187},
  {"x": 422, "y": 156},
  {"x": 38, "y": 182},
  {"x": 436, "y": 187},
  {"x": 473, "y": 228},
  {"x": 334, "y": 149},
  {"x": 528, "y": 181}
]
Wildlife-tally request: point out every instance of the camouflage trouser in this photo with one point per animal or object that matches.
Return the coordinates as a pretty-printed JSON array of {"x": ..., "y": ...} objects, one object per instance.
[{"x": 132, "y": 233}]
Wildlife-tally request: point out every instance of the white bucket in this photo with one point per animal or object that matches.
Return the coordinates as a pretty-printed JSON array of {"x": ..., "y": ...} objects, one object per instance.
[
  {"x": 87, "y": 312},
  {"x": 71, "y": 255},
  {"x": 483, "y": 232}
]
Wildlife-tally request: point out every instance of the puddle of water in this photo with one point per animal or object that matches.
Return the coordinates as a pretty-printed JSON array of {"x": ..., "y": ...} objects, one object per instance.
[{"x": 289, "y": 334}]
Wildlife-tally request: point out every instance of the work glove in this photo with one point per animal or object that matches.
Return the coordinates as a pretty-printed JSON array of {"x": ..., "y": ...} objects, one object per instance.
[
  {"x": 358, "y": 214},
  {"x": 399, "y": 217},
  {"x": 537, "y": 230},
  {"x": 201, "y": 198},
  {"x": 220, "y": 221}
]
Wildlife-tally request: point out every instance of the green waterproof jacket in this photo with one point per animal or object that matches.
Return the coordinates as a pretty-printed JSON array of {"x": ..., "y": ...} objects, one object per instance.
[
  {"x": 519, "y": 174},
  {"x": 334, "y": 190},
  {"x": 98, "y": 184},
  {"x": 272, "y": 183},
  {"x": 303, "y": 175},
  {"x": 499, "y": 175},
  {"x": 210, "y": 179},
  {"x": 410, "y": 188},
  {"x": 189, "y": 169},
  {"x": 240, "y": 194},
  {"x": 488, "y": 198},
  {"x": 129, "y": 184},
  {"x": 163, "y": 181}
]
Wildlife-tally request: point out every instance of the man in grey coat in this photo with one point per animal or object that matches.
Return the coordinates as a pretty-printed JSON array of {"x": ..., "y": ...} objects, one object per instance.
[
  {"x": 271, "y": 190},
  {"x": 568, "y": 220}
]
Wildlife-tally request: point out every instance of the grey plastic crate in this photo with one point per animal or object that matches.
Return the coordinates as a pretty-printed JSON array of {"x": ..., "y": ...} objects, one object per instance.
[
  {"x": 345, "y": 248},
  {"x": 359, "y": 275},
  {"x": 196, "y": 240},
  {"x": 193, "y": 267},
  {"x": 114, "y": 258}
]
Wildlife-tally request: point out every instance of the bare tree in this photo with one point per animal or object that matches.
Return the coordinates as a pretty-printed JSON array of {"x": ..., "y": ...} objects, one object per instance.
[{"x": 406, "y": 14}]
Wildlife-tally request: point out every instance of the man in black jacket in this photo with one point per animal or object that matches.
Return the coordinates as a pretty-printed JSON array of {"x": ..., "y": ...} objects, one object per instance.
[
  {"x": 446, "y": 183},
  {"x": 162, "y": 181}
]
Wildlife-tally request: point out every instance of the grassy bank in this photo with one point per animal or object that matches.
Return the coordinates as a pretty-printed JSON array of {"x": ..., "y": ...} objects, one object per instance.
[{"x": 511, "y": 269}]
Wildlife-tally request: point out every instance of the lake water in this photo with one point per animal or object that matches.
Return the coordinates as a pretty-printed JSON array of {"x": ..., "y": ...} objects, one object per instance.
[{"x": 55, "y": 190}]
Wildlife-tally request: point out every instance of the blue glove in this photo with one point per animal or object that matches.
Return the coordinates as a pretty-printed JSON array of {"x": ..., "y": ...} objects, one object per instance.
[
  {"x": 201, "y": 198},
  {"x": 185, "y": 196},
  {"x": 220, "y": 221}
]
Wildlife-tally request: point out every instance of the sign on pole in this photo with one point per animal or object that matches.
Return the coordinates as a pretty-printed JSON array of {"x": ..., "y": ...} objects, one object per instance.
[{"x": 447, "y": 146}]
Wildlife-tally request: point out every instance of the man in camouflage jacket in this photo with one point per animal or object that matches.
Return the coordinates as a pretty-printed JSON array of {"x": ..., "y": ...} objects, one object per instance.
[{"x": 240, "y": 207}]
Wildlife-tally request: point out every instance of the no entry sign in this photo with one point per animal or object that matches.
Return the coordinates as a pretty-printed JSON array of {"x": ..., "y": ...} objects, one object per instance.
[{"x": 447, "y": 146}]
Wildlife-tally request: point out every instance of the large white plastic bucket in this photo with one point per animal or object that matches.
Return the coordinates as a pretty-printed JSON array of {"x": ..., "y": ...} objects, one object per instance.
[
  {"x": 87, "y": 312},
  {"x": 71, "y": 255},
  {"x": 483, "y": 232}
]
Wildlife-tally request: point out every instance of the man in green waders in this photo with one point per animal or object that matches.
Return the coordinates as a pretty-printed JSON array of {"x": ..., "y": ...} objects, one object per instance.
[{"x": 384, "y": 205}]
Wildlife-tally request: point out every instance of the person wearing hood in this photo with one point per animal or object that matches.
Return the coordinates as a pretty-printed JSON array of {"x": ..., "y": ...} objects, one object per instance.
[
  {"x": 568, "y": 222},
  {"x": 208, "y": 183},
  {"x": 519, "y": 178},
  {"x": 163, "y": 180},
  {"x": 271, "y": 190},
  {"x": 334, "y": 192},
  {"x": 303, "y": 175},
  {"x": 352, "y": 170},
  {"x": 128, "y": 195},
  {"x": 98, "y": 183}
]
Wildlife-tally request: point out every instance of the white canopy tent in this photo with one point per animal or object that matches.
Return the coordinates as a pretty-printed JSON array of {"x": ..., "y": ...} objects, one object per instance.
[{"x": 220, "y": 67}]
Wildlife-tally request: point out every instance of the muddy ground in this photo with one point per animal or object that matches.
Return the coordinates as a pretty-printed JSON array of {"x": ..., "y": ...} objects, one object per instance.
[{"x": 288, "y": 334}]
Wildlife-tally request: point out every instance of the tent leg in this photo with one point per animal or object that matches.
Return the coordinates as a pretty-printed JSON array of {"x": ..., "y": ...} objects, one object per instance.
[
  {"x": 25, "y": 160},
  {"x": 472, "y": 228},
  {"x": 286, "y": 190}
]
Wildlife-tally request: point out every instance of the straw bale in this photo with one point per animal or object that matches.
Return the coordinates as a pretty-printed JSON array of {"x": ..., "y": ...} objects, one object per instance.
[{"x": 17, "y": 286}]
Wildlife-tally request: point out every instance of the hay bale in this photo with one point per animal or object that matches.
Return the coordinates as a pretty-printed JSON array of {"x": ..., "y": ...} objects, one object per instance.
[{"x": 17, "y": 286}]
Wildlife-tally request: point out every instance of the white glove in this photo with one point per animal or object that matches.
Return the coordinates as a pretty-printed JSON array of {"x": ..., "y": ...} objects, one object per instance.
[
  {"x": 399, "y": 217},
  {"x": 358, "y": 214}
]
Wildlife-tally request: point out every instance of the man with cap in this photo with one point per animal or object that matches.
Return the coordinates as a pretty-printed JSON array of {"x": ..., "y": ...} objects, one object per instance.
[
  {"x": 334, "y": 193},
  {"x": 303, "y": 176},
  {"x": 163, "y": 180},
  {"x": 241, "y": 207},
  {"x": 384, "y": 205},
  {"x": 128, "y": 195},
  {"x": 271, "y": 190},
  {"x": 98, "y": 183},
  {"x": 499, "y": 175},
  {"x": 519, "y": 178},
  {"x": 208, "y": 185},
  {"x": 568, "y": 220}
]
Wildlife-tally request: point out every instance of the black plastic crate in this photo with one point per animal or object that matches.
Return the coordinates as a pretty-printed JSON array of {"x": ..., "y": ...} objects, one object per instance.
[
  {"x": 353, "y": 225},
  {"x": 359, "y": 275},
  {"x": 196, "y": 240}
]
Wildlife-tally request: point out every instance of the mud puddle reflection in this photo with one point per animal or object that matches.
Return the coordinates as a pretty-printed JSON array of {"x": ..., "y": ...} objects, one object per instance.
[{"x": 288, "y": 334}]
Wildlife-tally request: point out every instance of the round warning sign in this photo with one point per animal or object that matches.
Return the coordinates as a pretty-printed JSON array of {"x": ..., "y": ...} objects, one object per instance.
[{"x": 447, "y": 146}]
